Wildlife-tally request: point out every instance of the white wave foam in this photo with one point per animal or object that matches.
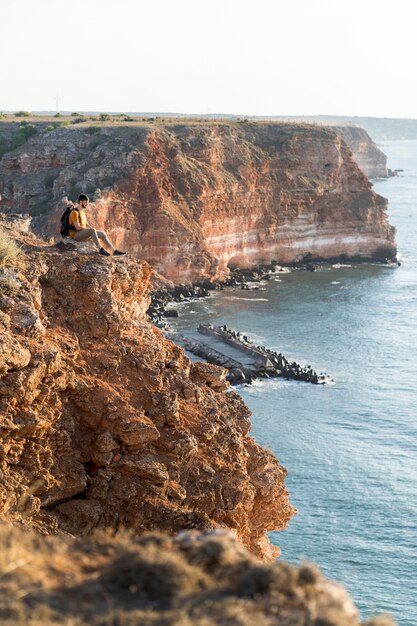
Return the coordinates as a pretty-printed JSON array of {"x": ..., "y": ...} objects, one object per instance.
[{"x": 248, "y": 299}]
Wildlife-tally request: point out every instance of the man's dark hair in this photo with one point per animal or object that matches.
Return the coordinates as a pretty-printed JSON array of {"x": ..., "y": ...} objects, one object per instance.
[{"x": 82, "y": 196}]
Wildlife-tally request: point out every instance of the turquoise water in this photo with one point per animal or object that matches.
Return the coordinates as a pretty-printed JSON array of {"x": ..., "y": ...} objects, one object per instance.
[{"x": 350, "y": 448}]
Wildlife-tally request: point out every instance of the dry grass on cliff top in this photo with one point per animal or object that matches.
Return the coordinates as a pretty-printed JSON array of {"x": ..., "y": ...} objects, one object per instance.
[
  {"x": 193, "y": 579},
  {"x": 9, "y": 250},
  {"x": 94, "y": 121}
]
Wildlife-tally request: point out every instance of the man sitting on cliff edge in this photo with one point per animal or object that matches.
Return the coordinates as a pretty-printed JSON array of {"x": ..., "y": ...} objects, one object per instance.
[{"x": 81, "y": 230}]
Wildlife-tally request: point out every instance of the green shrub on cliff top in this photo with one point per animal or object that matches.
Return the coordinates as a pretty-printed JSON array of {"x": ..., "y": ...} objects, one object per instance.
[
  {"x": 22, "y": 114},
  {"x": 24, "y": 133},
  {"x": 92, "y": 130}
]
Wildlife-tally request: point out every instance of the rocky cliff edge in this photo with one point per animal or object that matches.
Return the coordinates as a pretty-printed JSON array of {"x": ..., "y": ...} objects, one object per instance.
[
  {"x": 366, "y": 153},
  {"x": 196, "y": 200},
  {"x": 106, "y": 424}
]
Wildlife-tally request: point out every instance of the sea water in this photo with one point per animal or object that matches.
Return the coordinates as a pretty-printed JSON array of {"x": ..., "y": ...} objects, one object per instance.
[{"x": 350, "y": 447}]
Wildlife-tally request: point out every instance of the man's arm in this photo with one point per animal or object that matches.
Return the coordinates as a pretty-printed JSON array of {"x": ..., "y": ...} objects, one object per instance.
[{"x": 74, "y": 221}]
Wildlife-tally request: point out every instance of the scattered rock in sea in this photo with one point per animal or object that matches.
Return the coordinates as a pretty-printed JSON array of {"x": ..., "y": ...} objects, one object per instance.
[{"x": 394, "y": 172}]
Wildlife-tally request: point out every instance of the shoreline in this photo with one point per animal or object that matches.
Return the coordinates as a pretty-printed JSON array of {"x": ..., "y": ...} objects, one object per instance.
[
  {"x": 214, "y": 349},
  {"x": 244, "y": 279}
]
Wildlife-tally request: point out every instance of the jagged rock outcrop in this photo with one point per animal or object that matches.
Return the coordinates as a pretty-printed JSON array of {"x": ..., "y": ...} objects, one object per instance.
[
  {"x": 366, "y": 153},
  {"x": 192, "y": 579},
  {"x": 106, "y": 424},
  {"x": 197, "y": 199}
]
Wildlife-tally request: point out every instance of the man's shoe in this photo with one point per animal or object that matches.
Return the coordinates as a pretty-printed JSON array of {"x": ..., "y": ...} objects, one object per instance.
[
  {"x": 104, "y": 252},
  {"x": 118, "y": 253}
]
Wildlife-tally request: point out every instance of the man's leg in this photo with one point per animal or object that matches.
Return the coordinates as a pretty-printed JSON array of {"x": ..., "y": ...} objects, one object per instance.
[
  {"x": 85, "y": 234},
  {"x": 102, "y": 235}
]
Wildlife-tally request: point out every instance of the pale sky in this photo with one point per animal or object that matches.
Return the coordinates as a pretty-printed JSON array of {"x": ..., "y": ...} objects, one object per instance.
[{"x": 253, "y": 57}]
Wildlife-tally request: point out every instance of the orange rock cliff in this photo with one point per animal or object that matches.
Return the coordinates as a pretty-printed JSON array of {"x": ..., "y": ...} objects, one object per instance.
[
  {"x": 104, "y": 423},
  {"x": 195, "y": 200}
]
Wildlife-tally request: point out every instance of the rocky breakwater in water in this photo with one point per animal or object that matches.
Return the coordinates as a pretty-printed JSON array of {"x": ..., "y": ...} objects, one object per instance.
[
  {"x": 199, "y": 199},
  {"x": 257, "y": 362},
  {"x": 105, "y": 423}
]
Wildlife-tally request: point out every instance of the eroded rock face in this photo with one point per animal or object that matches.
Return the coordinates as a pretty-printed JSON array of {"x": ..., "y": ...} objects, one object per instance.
[
  {"x": 197, "y": 199},
  {"x": 366, "y": 153},
  {"x": 104, "y": 423}
]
